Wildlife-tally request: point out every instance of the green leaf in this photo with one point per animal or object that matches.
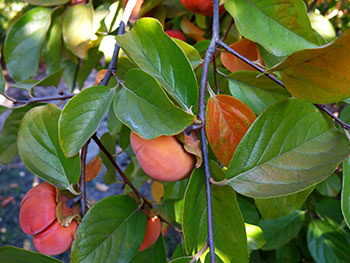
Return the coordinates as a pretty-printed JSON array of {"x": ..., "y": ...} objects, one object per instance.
[
  {"x": 24, "y": 42},
  {"x": 8, "y": 135},
  {"x": 77, "y": 28},
  {"x": 276, "y": 207},
  {"x": 109, "y": 142},
  {"x": 326, "y": 78},
  {"x": 145, "y": 108},
  {"x": 81, "y": 117},
  {"x": 3, "y": 109},
  {"x": 278, "y": 232},
  {"x": 91, "y": 60},
  {"x": 70, "y": 70},
  {"x": 291, "y": 146},
  {"x": 330, "y": 187},
  {"x": 191, "y": 53},
  {"x": 52, "y": 51},
  {"x": 322, "y": 26},
  {"x": 283, "y": 27},
  {"x": 40, "y": 150},
  {"x": 321, "y": 246},
  {"x": 2, "y": 82},
  {"x": 154, "y": 52},
  {"x": 183, "y": 260},
  {"x": 255, "y": 237},
  {"x": 113, "y": 123},
  {"x": 174, "y": 190},
  {"x": 345, "y": 194},
  {"x": 9, "y": 254},
  {"x": 154, "y": 254},
  {"x": 111, "y": 231},
  {"x": 53, "y": 79},
  {"x": 289, "y": 253},
  {"x": 256, "y": 93},
  {"x": 230, "y": 241},
  {"x": 47, "y": 3},
  {"x": 135, "y": 174},
  {"x": 329, "y": 210},
  {"x": 248, "y": 210}
]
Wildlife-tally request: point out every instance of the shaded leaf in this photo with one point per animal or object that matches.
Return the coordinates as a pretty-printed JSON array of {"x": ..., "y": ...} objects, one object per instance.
[
  {"x": 329, "y": 210},
  {"x": 289, "y": 253},
  {"x": 24, "y": 42},
  {"x": 154, "y": 52},
  {"x": 154, "y": 254},
  {"x": 330, "y": 187},
  {"x": 145, "y": 108},
  {"x": 325, "y": 77},
  {"x": 8, "y": 135},
  {"x": 39, "y": 148},
  {"x": 248, "y": 210},
  {"x": 230, "y": 241},
  {"x": 256, "y": 93},
  {"x": 109, "y": 141},
  {"x": 105, "y": 235},
  {"x": 290, "y": 147},
  {"x": 47, "y": 3},
  {"x": 278, "y": 232},
  {"x": 227, "y": 120},
  {"x": 345, "y": 194},
  {"x": 270, "y": 208},
  {"x": 183, "y": 260},
  {"x": 77, "y": 28},
  {"x": 9, "y": 254},
  {"x": 91, "y": 60},
  {"x": 81, "y": 117},
  {"x": 276, "y": 23}
]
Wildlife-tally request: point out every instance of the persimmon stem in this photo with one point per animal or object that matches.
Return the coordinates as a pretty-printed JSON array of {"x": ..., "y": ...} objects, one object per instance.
[
  {"x": 82, "y": 183},
  {"x": 121, "y": 173}
]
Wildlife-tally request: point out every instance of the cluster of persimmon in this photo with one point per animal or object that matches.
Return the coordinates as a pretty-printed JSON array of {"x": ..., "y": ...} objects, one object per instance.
[{"x": 37, "y": 217}]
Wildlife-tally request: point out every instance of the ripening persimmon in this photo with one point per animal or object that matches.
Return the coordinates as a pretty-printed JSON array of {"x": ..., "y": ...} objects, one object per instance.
[
  {"x": 162, "y": 158},
  {"x": 176, "y": 34},
  {"x": 37, "y": 216},
  {"x": 153, "y": 230},
  {"x": 246, "y": 48},
  {"x": 202, "y": 7}
]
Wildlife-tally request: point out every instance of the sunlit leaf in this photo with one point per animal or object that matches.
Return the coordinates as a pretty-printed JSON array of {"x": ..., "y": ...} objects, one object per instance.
[
  {"x": 319, "y": 75},
  {"x": 154, "y": 52},
  {"x": 255, "y": 237},
  {"x": 81, "y": 117},
  {"x": 24, "y": 42},
  {"x": 283, "y": 27},
  {"x": 9, "y": 254},
  {"x": 40, "y": 150},
  {"x": 145, "y": 108},
  {"x": 111, "y": 231},
  {"x": 227, "y": 120},
  {"x": 290, "y": 147},
  {"x": 322, "y": 26}
]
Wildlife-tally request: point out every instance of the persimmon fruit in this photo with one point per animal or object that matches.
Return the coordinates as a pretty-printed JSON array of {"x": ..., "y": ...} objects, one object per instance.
[
  {"x": 202, "y": 7},
  {"x": 246, "y": 48},
  {"x": 37, "y": 216},
  {"x": 176, "y": 34},
  {"x": 153, "y": 230},
  {"x": 162, "y": 158}
]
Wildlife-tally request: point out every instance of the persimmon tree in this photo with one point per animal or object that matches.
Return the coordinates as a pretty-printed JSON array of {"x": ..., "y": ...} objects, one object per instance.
[{"x": 254, "y": 102}]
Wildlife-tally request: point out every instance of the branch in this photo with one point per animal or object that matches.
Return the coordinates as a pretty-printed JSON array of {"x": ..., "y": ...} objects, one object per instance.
[
  {"x": 112, "y": 68},
  {"x": 115, "y": 165},
  {"x": 312, "y": 6},
  {"x": 328, "y": 112},
  {"x": 82, "y": 183}
]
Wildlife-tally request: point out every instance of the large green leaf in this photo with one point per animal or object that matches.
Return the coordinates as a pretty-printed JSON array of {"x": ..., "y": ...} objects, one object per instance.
[
  {"x": 255, "y": 237},
  {"x": 289, "y": 253},
  {"x": 77, "y": 28},
  {"x": 330, "y": 187},
  {"x": 270, "y": 208},
  {"x": 8, "y": 135},
  {"x": 290, "y": 147},
  {"x": 345, "y": 194},
  {"x": 256, "y": 93},
  {"x": 24, "y": 42},
  {"x": 81, "y": 117},
  {"x": 144, "y": 107},
  {"x": 283, "y": 27},
  {"x": 40, "y": 150},
  {"x": 278, "y": 232},
  {"x": 314, "y": 75},
  {"x": 112, "y": 231},
  {"x": 154, "y": 254},
  {"x": 229, "y": 230},
  {"x": 2, "y": 82},
  {"x": 326, "y": 244},
  {"x": 191, "y": 53},
  {"x": 155, "y": 52},
  {"x": 47, "y": 2},
  {"x": 9, "y": 254}
]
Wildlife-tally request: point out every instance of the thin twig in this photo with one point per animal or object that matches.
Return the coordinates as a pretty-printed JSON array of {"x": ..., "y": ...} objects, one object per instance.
[
  {"x": 312, "y": 6},
  {"x": 192, "y": 128},
  {"x": 343, "y": 124},
  {"x": 82, "y": 183},
  {"x": 215, "y": 77},
  {"x": 178, "y": 231},
  {"x": 228, "y": 29},
  {"x": 116, "y": 166}
]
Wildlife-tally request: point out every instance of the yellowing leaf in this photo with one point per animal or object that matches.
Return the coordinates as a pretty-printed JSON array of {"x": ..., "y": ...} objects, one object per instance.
[
  {"x": 157, "y": 190},
  {"x": 228, "y": 119},
  {"x": 319, "y": 75}
]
